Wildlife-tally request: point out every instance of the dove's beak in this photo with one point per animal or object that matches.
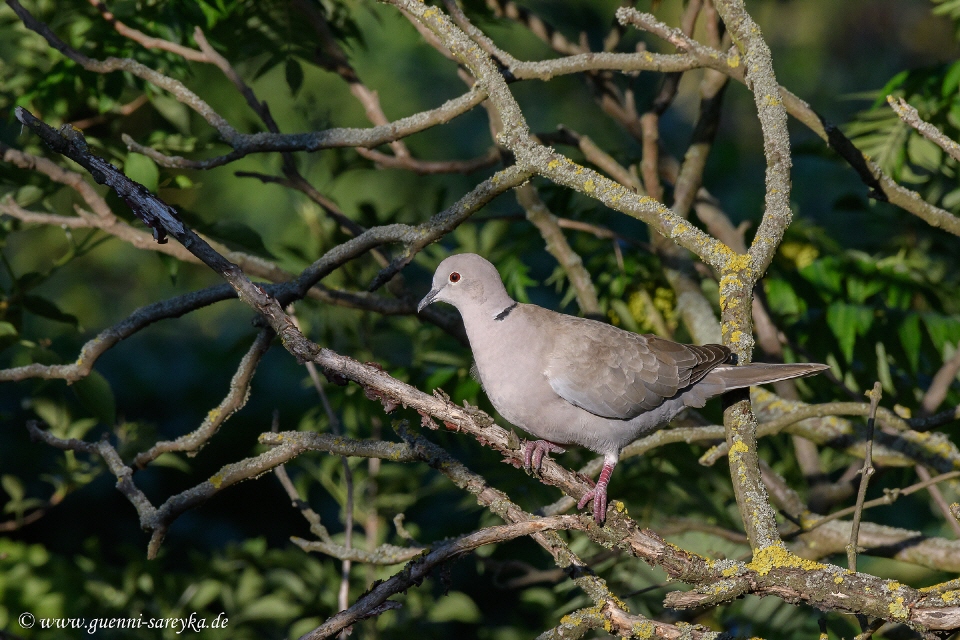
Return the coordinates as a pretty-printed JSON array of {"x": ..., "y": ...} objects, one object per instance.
[{"x": 427, "y": 299}]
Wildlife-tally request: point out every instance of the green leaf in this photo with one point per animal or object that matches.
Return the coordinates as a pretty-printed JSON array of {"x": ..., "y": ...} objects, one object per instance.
[
  {"x": 171, "y": 461},
  {"x": 46, "y": 309},
  {"x": 79, "y": 428},
  {"x": 238, "y": 236},
  {"x": 270, "y": 607},
  {"x": 13, "y": 486},
  {"x": 249, "y": 587},
  {"x": 96, "y": 396},
  {"x": 894, "y": 83},
  {"x": 173, "y": 111},
  {"x": 491, "y": 234},
  {"x": 847, "y": 321},
  {"x": 455, "y": 607},
  {"x": 444, "y": 357},
  {"x": 28, "y": 194},
  {"x": 210, "y": 13},
  {"x": 183, "y": 182},
  {"x": 275, "y": 59},
  {"x": 859, "y": 290},
  {"x": 781, "y": 297},
  {"x": 943, "y": 330},
  {"x": 8, "y": 334},
  {"x": 440, "y": 377},
  {"x": 294, "y": 74},
  {"x": 951, "y": 81},
  {"x": 910, "y": 339},
  {"x": 206, "y": 592},
  {"x": 54, "y": 414},
  {"x": 627, "y": 320},
  {"x": 515, "y": 277},
  {"x": 30, "y": 280},
  {"x": 924, "y": 153},
  {"x": 824, "y": 273},
  {"x": 171, "y": 265},
  {"x": 142, "y": 169}
]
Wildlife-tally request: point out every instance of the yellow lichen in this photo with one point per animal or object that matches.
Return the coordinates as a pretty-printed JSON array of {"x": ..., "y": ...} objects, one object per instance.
[
  {"x": 733, "y": 61},
  {"x": 893, "y": 585},
  {"x": 553, "y": 164},
  {"x": 730, "y": 280},
  {"x": 838, "y": 579},
  {"x": 950, "y": 596},
  {"x": 589, "y": 186},
  {"x": 777, "y": 556},
  {"x": 680, "y": 228},
  {"x": 645, "y": 629},
  {"x": 739, "y": 447},
  {"x": 216, "y": 481},
  {"x": 738, "y": 262},
  {"x": 897, "y": 610}
]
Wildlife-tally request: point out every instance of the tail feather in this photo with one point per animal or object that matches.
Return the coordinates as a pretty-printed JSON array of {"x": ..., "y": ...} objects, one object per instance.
[
  {"x": 748, "y": 375},
  {"x": 727, "y": 377}
]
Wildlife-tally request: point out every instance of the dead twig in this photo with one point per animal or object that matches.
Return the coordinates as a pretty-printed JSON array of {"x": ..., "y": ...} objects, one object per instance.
[{"x": 865, "y": 474}]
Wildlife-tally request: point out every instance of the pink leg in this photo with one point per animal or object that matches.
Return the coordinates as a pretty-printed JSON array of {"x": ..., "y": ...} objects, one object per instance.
[
  {"x": 533, "y": 452},
  {"x": 599, "y": 493}
]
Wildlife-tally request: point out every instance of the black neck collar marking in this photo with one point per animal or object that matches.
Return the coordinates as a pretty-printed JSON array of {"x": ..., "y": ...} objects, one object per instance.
[{"x": 503, "y": 314}]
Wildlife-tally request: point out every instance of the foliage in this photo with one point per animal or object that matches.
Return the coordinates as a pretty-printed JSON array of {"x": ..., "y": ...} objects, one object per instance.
[{"x": 856, "y": 283}]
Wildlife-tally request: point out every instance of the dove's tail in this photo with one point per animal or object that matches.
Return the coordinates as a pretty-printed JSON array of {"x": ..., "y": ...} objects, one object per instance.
[
  {"x": 761, "y": 373},
  {"x": 727, "y": 377}
]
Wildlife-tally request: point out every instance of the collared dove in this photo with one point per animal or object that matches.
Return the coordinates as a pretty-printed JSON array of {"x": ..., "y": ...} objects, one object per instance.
[{"x": 573, "y": 381}]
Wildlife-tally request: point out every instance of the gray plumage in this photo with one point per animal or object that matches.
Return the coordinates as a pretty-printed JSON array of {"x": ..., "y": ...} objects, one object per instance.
[{"x": 573, "y": 381}]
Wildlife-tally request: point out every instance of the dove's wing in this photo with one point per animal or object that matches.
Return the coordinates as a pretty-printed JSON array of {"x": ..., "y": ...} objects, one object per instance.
[{"x": 618, "y": 374}]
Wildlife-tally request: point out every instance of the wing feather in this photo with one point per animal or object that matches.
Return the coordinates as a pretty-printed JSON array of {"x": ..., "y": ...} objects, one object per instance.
[{"x": 618, "y": 374}]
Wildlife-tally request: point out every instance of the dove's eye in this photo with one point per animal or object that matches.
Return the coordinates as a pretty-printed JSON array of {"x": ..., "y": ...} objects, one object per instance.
[{"x": 454, "y": 277}]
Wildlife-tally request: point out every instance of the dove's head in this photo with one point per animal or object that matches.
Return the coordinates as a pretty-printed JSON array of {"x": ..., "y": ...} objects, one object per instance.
[{"x": 469, "y": 283}]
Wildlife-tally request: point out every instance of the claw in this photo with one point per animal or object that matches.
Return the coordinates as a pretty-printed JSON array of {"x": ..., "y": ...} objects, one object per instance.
[
  {"x": 533, "y": 452},
  {"x": 598, "y": 495}
]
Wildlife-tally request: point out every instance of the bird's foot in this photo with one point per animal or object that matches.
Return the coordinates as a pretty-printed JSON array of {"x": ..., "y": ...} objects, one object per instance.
[
  {"x": 533, "y": 452},
  {"x": 599, "y": 497},
  {"x": 599, "y": 493}
]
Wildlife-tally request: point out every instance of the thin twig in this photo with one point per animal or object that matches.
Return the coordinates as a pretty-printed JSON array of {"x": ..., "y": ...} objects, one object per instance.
[
  {"x": 865, "y": 473},
  {"x": 570, "y": 261},
  {"x": 235, "y": 399},
  {"x": 372, "y": 603},
  {"x": 939, "y": 500},
  {"x": 911, "y": 117},
  {"x": 942, "y": 380},
  {"x": 343, "y": 594},
  {"x": 888, "y": 498}
]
